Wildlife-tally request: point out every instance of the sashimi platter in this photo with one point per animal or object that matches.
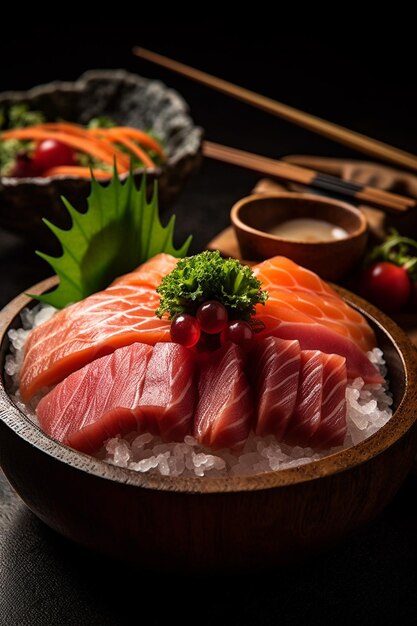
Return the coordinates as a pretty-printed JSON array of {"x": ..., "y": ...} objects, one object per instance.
[
  {"x": 201, "y": 365},
  {"x": 200, "y": 376},
  {"x": 206, "y": 392}
]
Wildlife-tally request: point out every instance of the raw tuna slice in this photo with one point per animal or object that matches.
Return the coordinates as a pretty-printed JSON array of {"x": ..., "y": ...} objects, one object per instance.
[
  {"x": 122, "y": 314},
  {"x": 332, "y": 428},
  {"x": 224, "y": 413},
  {"x": 169, "y": 394},
  {"x": 307, "y": 413},
  {"x": 95, "y": 402},
  {"x": 288, "y": 324},
  {"x": 277, "y": 366},
  {"x": 306, "y": 292}
]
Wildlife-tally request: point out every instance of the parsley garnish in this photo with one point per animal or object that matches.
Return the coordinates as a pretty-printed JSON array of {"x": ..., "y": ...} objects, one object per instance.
[{"x": 207, "y": 276}]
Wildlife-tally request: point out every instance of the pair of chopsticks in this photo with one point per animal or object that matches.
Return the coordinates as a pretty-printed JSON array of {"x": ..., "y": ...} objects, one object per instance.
[
  {"x": 283, "y": 170},
  {"x": 340, "y": 134},
  {"x": 294, "y": 173}
]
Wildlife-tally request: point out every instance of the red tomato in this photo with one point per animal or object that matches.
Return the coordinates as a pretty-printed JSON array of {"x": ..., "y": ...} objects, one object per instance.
[
  {"x": 386, "y": 285},
  {"x": 51, "y": 153}
]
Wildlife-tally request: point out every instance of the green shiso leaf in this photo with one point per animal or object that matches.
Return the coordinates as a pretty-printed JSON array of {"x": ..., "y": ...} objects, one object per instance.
[
  {"x": 120, "y": 230},
  {"x": 208, "y": 276}
]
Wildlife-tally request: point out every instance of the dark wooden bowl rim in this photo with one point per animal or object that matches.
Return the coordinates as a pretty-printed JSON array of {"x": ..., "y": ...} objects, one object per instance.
[{"x": 405, "y": 416}]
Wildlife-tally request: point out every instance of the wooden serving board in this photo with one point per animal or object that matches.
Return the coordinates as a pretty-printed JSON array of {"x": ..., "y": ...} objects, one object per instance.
[{"x": 226, "y": 242}]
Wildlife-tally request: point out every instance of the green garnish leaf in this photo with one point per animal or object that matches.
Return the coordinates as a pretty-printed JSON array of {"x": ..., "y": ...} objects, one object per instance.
[
  {"x": 119, "y": 231},
  {"x": 208, "y": 276}
]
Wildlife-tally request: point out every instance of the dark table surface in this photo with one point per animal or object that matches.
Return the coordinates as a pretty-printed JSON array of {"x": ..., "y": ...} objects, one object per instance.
[{"x": 371, "y": 577}]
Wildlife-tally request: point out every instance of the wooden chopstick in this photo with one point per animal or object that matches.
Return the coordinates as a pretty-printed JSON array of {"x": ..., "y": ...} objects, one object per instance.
[
  {"x": 342, "y": 135},
  {"x": 286, "y": 171}
]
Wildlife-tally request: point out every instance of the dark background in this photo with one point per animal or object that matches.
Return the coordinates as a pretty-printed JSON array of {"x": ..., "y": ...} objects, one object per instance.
[{"x": 365, "y": 84}]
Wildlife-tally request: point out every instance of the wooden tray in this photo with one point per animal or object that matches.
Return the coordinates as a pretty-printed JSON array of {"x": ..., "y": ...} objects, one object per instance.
[{"x": 227, "y": 244}]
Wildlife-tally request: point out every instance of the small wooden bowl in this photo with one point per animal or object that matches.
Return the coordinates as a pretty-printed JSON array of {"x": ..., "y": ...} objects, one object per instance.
[
  {"x": 228, "y": 523},
  {"x": 254, "y": 215}
]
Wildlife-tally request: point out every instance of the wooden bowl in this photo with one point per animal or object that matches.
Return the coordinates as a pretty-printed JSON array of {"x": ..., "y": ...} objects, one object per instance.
[
  {"x": 213, "y": 523},
  {"x": 253, "y": 216},
  {"x": 129, "y": 100}
]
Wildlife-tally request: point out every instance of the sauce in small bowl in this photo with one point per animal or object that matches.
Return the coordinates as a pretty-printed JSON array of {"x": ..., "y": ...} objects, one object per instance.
[
  {"x": 308, "y": 230},
  {"x": 325, "y": 235}
]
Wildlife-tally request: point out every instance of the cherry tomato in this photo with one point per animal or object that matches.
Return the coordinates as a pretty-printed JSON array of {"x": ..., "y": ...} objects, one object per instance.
[
  {"x": 51, "y": 153},
  {"x": 387, "y": 285}
]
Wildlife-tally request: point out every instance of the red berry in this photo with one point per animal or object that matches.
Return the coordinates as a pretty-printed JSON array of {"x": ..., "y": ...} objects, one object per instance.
[
  {"x": 185, "y": 330},
  {"x": 212, "y": 316},
  {"x": 239, "y": 332},
  {"x": 52, "y": 153}
]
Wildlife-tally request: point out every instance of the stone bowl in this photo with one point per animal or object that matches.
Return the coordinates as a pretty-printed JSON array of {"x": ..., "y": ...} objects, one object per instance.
[
  {"x": 129, "y": 100},
  {"x": 223, "y": 523}
]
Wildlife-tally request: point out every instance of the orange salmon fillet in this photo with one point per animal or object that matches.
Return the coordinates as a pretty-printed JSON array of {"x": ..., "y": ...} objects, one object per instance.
[
  {"x": 150, "y": 273},
  {"x": 291, "y": 286},
  {"x": 116, "y": 317}
]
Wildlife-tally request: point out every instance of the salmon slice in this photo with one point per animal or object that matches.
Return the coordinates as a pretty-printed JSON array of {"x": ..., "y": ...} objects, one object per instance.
[
  {"x": 91, "y": 404},
  {"x": 332, "y": 428},
  {"x": 150, "y": 273},
  {"x": 277, "y": 366},
  {"x": 307, "y": 412},
  {"x": 122, "y": 314},
  {"x": 279, "y": 271},
  {"x": 302, "y": 290},
  {"x": 286, "y": 323},
  {"x": 341, "y": 319},
  {"x": 166, "y": 407},
  {"x": 224, "y": 413}
]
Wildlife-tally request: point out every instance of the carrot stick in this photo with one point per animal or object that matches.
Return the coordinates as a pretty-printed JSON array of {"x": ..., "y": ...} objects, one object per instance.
[
  {"x": 77, "y": 170},
  {"x": 89, "y": 134},
  {"x": 90, "y": 145},
  {"x": 141, "y": 137},
  {"x": 115, "y": 137},
  {"x": 102, "y": 133},
  {"x": 106, "y": 135}
]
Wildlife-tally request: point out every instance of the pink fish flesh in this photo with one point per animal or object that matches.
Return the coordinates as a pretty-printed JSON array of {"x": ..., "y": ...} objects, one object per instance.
[
  {"x": 332, "y": 428},
  {"x": 89, "y": 406},
  {"x": 169, "y": 393},
  {"x": 224, "y": 413},
  {"x": 313, "y": 336},
  {"x": 277, "y": 366},
  {"x": 307, "y": 413}
]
